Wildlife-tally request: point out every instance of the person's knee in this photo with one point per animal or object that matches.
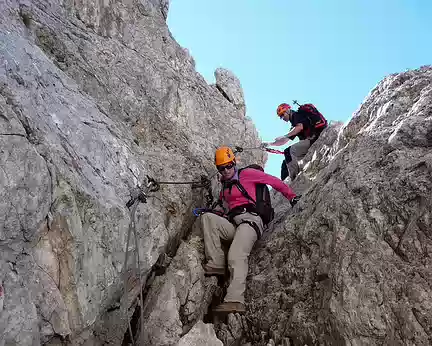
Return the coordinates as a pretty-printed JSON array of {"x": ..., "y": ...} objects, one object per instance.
[
  {"x": 209, "y": 217},
  {"x": 240, "y": 250},
  {"x": 300, "y": 149},
  {"x": 235, "y": 257},
  {"x": 294, "y": 150},
  {"x": 208, "y": 220}
]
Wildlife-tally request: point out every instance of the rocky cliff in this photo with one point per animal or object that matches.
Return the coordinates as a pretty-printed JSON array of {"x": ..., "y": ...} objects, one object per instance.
[
  {"x": 351, "y": 264},
  {"x": 95, "y": 96}
]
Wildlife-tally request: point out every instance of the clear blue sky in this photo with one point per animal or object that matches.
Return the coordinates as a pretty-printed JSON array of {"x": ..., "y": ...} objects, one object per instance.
[{"x": 328, "y": 52}]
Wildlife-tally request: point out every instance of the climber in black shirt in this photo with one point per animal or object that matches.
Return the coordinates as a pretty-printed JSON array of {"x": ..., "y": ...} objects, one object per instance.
[{"x": 308, "y": 123}]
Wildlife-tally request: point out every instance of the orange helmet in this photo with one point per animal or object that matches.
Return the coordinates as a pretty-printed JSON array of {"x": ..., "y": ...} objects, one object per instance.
[
  {"x": 282, "y": 108},
  {"x": 224, "y": 155}
]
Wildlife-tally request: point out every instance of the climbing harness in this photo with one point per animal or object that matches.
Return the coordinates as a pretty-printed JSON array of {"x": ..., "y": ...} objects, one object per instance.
[
  {"x": 200, "y": 211},
  {"x": 254, "y": 226}
]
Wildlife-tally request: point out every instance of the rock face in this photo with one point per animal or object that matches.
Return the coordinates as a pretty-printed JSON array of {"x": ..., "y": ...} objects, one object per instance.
[
  {"x": 351, "y": 264},
  {"x": 94, "y": 96},
  {"x": 230, "y": 87},
  {"x": 201, "y": 334},
  {"x": 179, "y": 298}
]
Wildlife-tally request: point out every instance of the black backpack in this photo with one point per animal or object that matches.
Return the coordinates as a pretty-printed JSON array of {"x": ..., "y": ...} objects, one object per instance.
[
  {"x": 263, "y": 201},
  {"x": 316, "y": 119}
]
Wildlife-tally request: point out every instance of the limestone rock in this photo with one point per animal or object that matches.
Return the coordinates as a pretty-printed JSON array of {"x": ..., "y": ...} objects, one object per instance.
[
  {"x": 178, "y": 299},
  {"x": 94, "y": 96},
  {"x": 317, "y": 158},
  {"x": 351, "y": 263},
  {"x": 202, "y": 334},
  {"x": 230, "y": 87},
  {"x": 164, "y": 5},
  {"x": 1, "y": 297},
  {"x": 233, "y": 331}
]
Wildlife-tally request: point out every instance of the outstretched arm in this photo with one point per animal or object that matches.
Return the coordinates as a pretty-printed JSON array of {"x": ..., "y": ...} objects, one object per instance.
[
  {"x": 263, "y": 178},
  {"x": 284, "y": 139}
]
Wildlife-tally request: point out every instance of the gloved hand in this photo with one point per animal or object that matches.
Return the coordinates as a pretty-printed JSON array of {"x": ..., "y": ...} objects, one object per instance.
[
  {"x": 200, "y": 211},
  {"x": 265, "y": 145}
]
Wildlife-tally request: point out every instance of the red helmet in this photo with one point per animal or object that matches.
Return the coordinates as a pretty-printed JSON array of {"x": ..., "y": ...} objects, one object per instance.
[{"x": 282, "y": 108}]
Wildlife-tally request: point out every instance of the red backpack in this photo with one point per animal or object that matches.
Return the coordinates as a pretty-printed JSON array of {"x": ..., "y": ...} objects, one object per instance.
[{"x": 316, "y": 119}]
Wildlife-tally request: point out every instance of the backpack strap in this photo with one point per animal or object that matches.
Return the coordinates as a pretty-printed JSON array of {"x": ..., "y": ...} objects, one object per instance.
[
  {"x": 237, "y": 210},
  {"x": 244, "y": 192},
  {"x": 241, "y": 187}
]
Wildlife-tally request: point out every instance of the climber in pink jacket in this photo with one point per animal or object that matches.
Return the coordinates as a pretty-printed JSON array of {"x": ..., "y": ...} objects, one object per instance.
[
  {"x": 243, "y": 209},
  {"x": 249, "y": 178}
]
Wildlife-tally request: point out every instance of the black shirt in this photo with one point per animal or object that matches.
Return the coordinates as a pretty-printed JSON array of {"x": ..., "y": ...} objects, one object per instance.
[{"x": 299, "y": 117}]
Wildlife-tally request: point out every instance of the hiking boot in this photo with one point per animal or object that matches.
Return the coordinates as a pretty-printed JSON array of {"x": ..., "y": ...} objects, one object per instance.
[
  {"x": 294, "y": 201},
  {"x": 209, "y": 270},
  {"x": 230, "y": 307}
]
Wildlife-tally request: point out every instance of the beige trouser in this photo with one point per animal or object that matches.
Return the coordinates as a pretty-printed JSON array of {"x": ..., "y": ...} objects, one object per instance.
[
  {"x": 243, "y": 238},
  {"x": 298, "y": 151}
]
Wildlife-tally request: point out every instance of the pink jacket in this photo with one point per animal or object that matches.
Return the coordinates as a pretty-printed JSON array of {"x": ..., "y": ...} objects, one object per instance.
[{"x": 249, "y": 177}]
